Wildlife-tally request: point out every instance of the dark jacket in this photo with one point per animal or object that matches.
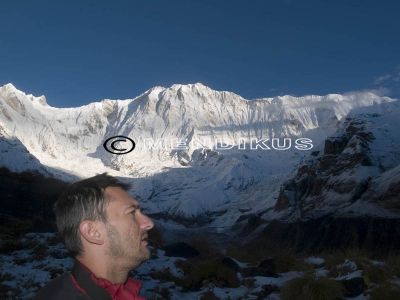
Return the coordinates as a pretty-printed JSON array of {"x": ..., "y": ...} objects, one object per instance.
[{"x": 76, "y": 285}]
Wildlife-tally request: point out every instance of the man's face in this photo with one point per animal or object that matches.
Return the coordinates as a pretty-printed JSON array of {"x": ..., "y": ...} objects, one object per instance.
[{"x": 127, "y": 228}]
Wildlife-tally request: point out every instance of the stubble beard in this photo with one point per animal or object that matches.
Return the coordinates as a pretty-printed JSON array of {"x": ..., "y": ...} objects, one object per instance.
[{"x": 116, "y": 249}]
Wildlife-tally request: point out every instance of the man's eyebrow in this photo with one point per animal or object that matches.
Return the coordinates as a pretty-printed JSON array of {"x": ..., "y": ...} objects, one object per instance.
[{"x": 135, "y": 206}]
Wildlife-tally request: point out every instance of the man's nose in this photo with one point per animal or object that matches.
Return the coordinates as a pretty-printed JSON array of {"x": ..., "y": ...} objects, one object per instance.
[{"x": 146, "y": 222}]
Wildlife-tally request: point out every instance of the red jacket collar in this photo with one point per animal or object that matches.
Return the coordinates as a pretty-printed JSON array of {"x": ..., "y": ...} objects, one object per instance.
[{"x": 127, "y": 291}]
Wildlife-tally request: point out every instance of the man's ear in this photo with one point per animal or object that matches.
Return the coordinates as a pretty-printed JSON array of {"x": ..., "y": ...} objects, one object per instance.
[{"x": 91, "y": 232}]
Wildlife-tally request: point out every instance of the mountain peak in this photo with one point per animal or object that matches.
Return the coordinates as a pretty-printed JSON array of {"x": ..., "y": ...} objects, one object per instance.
[
  {"x": 197, "y": 85},
  {"x": 9, "y": 86},
  {"x": 197, "y": 88},
  {"x": 10, "y": 89}
]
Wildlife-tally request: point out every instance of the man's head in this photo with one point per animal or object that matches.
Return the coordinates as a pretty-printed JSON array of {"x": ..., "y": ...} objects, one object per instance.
[{"x": 97, "y": 216}]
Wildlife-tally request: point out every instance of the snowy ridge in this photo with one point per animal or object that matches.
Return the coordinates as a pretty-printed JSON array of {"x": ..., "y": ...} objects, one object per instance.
[{"x": 185, "y": 183}]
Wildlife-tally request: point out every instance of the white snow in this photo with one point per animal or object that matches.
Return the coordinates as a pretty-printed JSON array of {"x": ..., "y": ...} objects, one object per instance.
[
  {"x": 314, "y": 260},
  {"x": 62, "y": 141}
]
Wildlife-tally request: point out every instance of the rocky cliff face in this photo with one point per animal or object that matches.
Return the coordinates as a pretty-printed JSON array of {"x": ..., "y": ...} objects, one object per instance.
[{"x": 356, "y": 172}]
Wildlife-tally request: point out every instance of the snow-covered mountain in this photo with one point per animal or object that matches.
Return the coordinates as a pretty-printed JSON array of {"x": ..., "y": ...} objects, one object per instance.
[{"x": 199, "y": 152}]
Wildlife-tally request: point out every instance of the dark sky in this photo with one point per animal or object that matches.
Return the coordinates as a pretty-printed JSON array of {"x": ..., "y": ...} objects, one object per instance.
[{"x": 76, "y": 52}]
